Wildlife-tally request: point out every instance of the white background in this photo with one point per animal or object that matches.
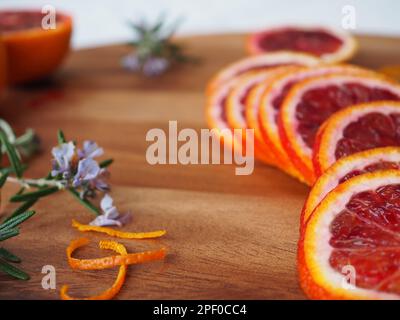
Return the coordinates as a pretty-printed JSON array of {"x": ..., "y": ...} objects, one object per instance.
[{"x": 100, "y": 22}]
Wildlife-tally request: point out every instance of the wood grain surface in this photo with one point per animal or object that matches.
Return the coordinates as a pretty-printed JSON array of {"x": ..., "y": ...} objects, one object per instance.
[{"x": 229, "y": 237}]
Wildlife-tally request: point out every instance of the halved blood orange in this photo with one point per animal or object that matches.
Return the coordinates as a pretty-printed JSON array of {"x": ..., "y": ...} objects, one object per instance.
[
  {"x": 310, "y": 102},
  {"x": 221, "y": 86},
  {"x": 33, "y": 52},
  {"x": 350, "y": 248},
  {"x": 274, "y": 95},
  {"x": 328, "y": 44},
  {"x": 346, "y": 168},
  {"x": 358, "y": 128},
  {"x": 264, "y": 61}
]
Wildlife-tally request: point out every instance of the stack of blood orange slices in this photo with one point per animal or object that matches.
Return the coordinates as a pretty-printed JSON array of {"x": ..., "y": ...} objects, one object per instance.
[
  {"x": 335, "y": 127},
  {"x": 227, "y": 93},
  {"x": 349, "y": 244}
]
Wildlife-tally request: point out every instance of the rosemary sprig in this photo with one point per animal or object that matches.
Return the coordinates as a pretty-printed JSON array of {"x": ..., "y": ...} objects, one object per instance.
[
  {"x": 106, "y": 163},
  {"x": 155, "y": 51},
  {"x": 84, "y": 201},
  {"x": 9, "y": 229},
  {"x": 35, "y": 195},
  {"x": 12, "y": 154},
  {"x": 73, "y": 169}
]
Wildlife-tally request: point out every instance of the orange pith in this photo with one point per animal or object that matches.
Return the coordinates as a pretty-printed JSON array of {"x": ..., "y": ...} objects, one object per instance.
[
  {"x": 354, "y": 227},
  {"x": 320, "y": 97},
  {"x": 35, "y": 53},
  {"x": 345, "y": 47},
  {"x": 347, "y": 167},
  {"x": 343, "y": 132}
]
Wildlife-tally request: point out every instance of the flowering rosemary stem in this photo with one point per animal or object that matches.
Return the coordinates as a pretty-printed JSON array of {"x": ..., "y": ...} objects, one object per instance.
[{"x": 28, "y": 183}]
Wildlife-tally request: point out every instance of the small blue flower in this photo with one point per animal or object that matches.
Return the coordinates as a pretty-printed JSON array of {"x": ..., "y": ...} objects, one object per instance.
[
  {"x": 110, "y": 216},
  {"x": 90, "y": 150},
  {"x": 63, "y": 155},
  {"x": 88, "y": 170}
]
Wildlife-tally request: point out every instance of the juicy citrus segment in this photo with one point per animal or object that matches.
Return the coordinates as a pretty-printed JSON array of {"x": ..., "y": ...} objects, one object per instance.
[
  {"x": 346, "y": 168},
  {"x": 361, "y": 127},
  {"x": 310, "y": 102},
  {"x": 33, "y": 52},
  {"x": 274, "y": 94},
  {"x": 351, "y": 245},
  {"x": 116, "y": 287},
  {"x": 264, "y": 61},
  {"x": 328, "y": 44}
]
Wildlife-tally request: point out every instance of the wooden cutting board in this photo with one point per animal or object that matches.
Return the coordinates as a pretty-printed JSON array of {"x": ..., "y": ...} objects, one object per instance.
[{"x": 229, "y": 237}]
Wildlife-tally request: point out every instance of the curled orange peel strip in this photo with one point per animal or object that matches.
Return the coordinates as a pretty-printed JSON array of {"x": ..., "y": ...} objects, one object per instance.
[
  {"x": 110, "y": 261},
  {"x": 119, "y": 281},
  {"x": 118, "y": 234}
]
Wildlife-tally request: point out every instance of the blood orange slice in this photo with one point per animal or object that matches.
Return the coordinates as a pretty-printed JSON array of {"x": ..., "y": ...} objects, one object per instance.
[
  {"x": 274, "y": 95},
  {"x": 32, "y": 51},
  {"x": 264, "y": 61},
  {"x": 310, "y": 102},
  {"x": 359, "y": 128},
  {"x": 346, "y": 168},
  {"x": 252, "y": 103},
  {"x": 350, "y": 248},
  {"x": 220, "y": 87},
  {"x": 328, "y": 44},
  {"x": 236, "y": 105}
]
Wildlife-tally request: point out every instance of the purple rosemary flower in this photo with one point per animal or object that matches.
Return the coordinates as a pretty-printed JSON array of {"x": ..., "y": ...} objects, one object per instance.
[
  {"x": 88, "y": 170},
  {"x": 99, "y": 182},
  {"x": 154, "y": 66},
  {"x": 110, "y": 216},
  {"x": 131, "y": 62},
  {"x": 90, "y": 150},
  {"x": 61, "y": 163}
]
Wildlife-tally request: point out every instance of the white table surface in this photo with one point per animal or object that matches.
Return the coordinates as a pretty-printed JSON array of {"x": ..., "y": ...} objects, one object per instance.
[{"x": 99, "y": 22}]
